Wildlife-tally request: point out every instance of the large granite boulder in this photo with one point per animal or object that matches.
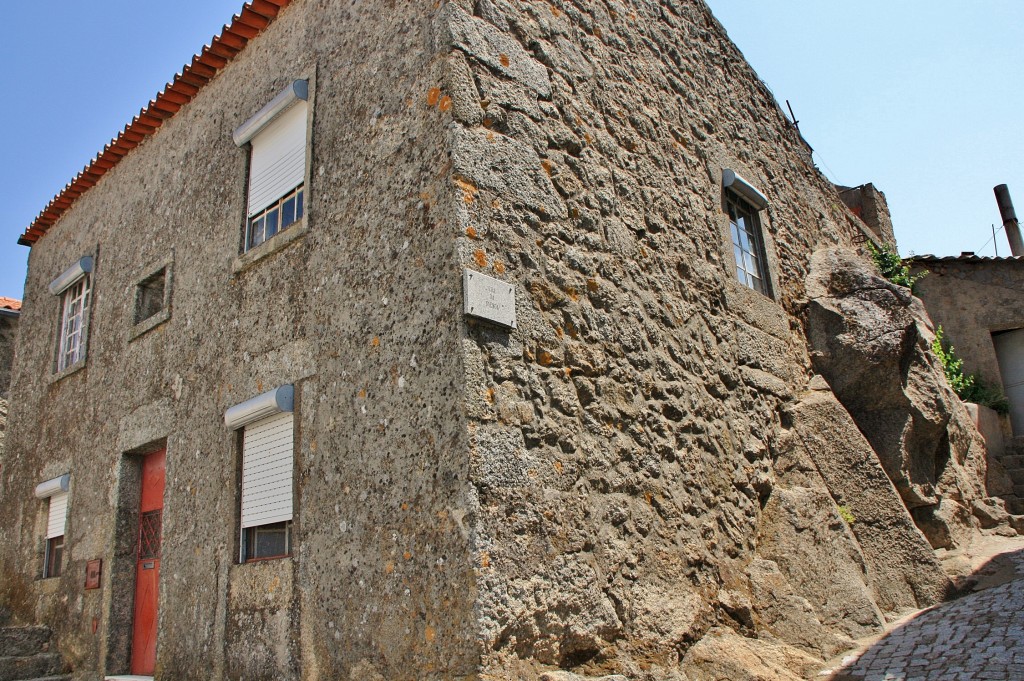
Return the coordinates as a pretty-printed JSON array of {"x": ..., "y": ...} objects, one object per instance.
[{"x": 871, "y": 340}]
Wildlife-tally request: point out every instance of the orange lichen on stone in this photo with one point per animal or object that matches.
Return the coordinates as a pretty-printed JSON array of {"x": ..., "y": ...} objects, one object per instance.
[
  {"x": 433, "y": 96},
  {"x": 471, "y": 232},
  {"x": 375, "y": 342},
  {"x": 485, "y": 559},
  {"x": 573, "y": 293},
  {"x": 544, "y": 358},
  {"x": 429, "y": 634},
  {"x": 445, "y": 103},
  {"x": 499, "y": 267},
  {"x": 555, "y": 11},
  {"x": 407, "y": 555},
  {"x": 469, "y": 190},
  {"x": 490, "y": 395},
  {"x": 480, "y": 257},
  {"x": 361, "y": 394},
  {"x": 548, "y": 166},
  {"x": 559, "y": 332},
  {"x": 592, "y": 285},
  {"x": 558, "y": 466},
  {"x": 503, "y": 58},
  {"x": 389, "y": 568}
]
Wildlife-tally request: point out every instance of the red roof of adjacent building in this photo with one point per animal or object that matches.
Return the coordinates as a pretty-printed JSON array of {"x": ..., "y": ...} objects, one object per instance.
[
  {"x": 10, "y": 304},
  {"x": 246, "y": 25}
]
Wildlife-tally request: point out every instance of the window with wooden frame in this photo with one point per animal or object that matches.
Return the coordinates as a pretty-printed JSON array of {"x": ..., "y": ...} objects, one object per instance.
[
  {"x": 75, "y": 290},
  {"x": 267, "y": 469},
  {"x": 276, "y": 137},
  {"x": 743, "y": 204},
  {"x": 56, "y": 493}
]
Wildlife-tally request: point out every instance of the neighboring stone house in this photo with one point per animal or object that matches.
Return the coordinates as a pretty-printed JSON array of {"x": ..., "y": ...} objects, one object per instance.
[
  {"x": 468, "y": 340},
  {"x": 10, "y": 311},
  {"x": 979, "y": 302}
]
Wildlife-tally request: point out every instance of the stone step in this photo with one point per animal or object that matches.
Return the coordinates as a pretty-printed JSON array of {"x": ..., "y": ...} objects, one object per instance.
[
  {"x": 23, "y": 641},
  {"x": 1017, "y": 475},
  {"x": 1015, "y": 446},
  {"x": 22, "y": 668},
  {"x": 1012, "y": 461}
]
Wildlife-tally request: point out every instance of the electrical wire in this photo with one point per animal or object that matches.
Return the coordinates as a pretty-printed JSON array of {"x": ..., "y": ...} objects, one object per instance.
[{"x": 990, "y": 239}]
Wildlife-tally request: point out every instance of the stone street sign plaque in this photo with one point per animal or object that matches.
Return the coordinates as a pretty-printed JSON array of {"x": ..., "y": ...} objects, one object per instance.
[{"x": 489, "y": 299}]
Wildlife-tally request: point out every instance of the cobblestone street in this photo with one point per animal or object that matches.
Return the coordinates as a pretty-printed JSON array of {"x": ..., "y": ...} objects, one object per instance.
[{"x": 977, "y": 637}]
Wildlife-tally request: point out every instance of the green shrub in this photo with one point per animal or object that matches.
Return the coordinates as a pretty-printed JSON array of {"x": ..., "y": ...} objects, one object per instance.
[
  {"x": 968, "y": 387},
  {"x": 846, "y": 514},
  {"x": 891, "y": 266}
]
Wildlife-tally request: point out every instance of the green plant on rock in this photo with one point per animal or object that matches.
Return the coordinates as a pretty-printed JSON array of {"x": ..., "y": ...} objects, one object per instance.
[
  {"x": 891, "y": 266},
  {"x": 968, "y": 387},
  {"x": 846, "y": 514}
]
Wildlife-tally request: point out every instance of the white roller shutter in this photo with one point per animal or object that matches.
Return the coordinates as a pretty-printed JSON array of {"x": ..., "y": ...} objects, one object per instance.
[
  {"x": 267, "y": 462},
  {"x": 58, "y": 513},
  {"x": 278, "y": 163}
]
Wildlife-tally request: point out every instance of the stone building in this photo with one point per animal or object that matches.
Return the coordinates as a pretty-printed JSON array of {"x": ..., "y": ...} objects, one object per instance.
[
  {"x": 468, "y": 340},
  {"x": 10, "y": 311},
  {"x": 979, "y": 302}
]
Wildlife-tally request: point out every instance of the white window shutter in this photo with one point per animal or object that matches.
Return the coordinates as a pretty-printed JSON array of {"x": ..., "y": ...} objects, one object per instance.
[
  {"x": 278, "y": 162},
  {"x": 58, "y": 514},
  {"x": 267, "y": 463}
]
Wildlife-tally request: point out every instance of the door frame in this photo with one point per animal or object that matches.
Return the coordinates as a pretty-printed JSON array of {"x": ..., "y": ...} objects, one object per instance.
[{"x": 119, "y": 611}]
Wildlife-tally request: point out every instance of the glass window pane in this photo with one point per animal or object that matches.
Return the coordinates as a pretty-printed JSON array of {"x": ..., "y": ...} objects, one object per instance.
[
  {"x": 299, "y": 210},
  {"x": 256, "y": 232},
  {"x": 288, "y": 212},
  {"x": 271, "y": 223}
]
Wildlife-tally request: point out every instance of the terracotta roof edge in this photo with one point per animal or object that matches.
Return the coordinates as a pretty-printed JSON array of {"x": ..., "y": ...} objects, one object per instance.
[{"x": 149, "y": 120}]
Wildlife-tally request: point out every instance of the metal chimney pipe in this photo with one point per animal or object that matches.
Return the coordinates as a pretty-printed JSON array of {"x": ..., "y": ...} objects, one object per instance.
[{"x": 1009, "y": 219}]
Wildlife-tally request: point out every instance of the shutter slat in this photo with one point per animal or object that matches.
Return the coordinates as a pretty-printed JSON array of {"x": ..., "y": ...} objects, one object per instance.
[
  {"x": 58, "y": 515},
  {"x": 267, "y": 465},
  {"x": 278, "y": 163}
]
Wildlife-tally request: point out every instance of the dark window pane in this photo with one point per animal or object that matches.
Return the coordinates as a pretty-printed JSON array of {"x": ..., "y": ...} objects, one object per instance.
[
  {"x": 54, "y": 556},
  {"x": 271, "y": 223},
  {"x": 288, "y": 212},
  {"x": 298, "y": 204},
  {"x": 149, "y": 296},
  {"x": 268, "y": 541}
]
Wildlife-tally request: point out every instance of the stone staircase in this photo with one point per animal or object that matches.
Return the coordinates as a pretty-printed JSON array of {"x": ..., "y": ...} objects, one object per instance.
[
  {"x": 25, "y": 656},
  {"x": 1013, "y": 461}
]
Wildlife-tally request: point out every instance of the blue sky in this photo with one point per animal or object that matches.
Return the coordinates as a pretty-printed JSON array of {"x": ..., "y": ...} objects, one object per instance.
[{"x": 923, "y": 98}]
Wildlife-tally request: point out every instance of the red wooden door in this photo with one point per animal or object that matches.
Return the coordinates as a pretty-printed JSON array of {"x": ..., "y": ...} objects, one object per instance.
[{"x": 147, "y": 568}]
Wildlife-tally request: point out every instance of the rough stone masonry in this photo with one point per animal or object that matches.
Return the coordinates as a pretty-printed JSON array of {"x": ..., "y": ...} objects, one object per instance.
[{"x": 658, "y": 474}]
